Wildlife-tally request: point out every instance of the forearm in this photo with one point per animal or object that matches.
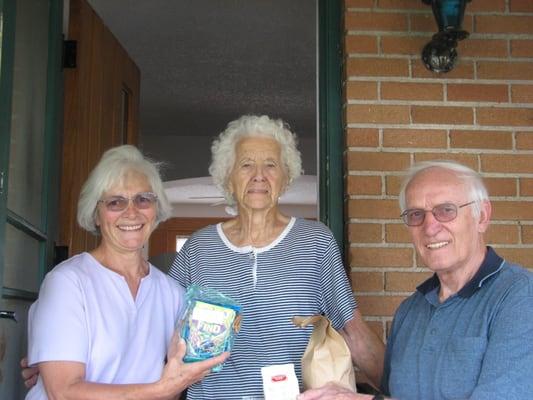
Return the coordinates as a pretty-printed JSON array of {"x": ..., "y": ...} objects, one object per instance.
[
  {"x": 95, "y": 391},
  {"x": 366, "y": 347}
]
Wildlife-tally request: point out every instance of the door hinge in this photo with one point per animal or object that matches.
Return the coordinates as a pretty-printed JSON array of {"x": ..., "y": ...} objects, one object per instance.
[
  {"x": 70, "y": 48},
  {"x": 1, "y": 182}
]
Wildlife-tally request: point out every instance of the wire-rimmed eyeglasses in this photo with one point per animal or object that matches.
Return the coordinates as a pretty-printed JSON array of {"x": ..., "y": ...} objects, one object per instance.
[
  {"x": 141, "y": 201},
  {"x": 445, "y": 212}
]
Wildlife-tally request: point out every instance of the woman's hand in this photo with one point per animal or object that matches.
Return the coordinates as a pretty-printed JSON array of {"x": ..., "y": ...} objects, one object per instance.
[
  {"x": 180, "y": 374},
  {"x": 29, "y": 374}
]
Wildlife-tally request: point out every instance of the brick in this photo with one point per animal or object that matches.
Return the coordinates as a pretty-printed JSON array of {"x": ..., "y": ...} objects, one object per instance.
[
  {"x": 375, "y": 66},
  {"x": 411, "y": 91},
  {"x": 417, "y": 138},
  {"x": 367, "y": 281},
  {"x": 401, "y": 5},
  {"x": 370, "y": 21},
  {"x": 503, "y": 24},
  {"x": 360, "y": 44},
  {"x": 512, "y": 210},
  {"x": 502, "y": 234},
  {"x": 522, "y": 93},
  {"x": 485, "y": 5},
  {"x": 464, "y": 69},
  {"x": 527, "y": 234},
  {"x": 426, "y": 23},
  {"x": 372, "y": 208},
  {"x": 404, "y": 44},
  {"x": 371, "y": 161},
  {"x": 361, "y": 90},
  {"x": 470, "y": 160},
  {"x": 379, "y": 305},
  {"x": 522, "y": 256},
  {"x": 516, "y": 70},
  {"x": 376, "y": 114},
  {"x": 483, "y": 47},
  {"x": 442, "y": 115},
  {"x": 526, "y": 186},
  {"x": 357, "y": 185},
  {"x": 381, "y": 257},
  {"x": 423, "y": 23},
  {"x": 507, "y": 163},
  {"x": 397, "y": 233},
  {"x": 524, "y": 140},
  {"x": 393, "y": 184},
  {"x": 481, "y": 140},
  {"x": 520, "y": 5},
  {"x": 359, "y": 3},
  {"x": 404, "y": 281},
  {"x": 477, "y": 92},
  {"x": 522, "y": 48},
  {"x": 501, "y": 186},
  {"x": 468, "y": 22},
  {"x": 362, "y": 137},
  {"x": 364, "y": 233},
  {"x": 499, "y": 116}
]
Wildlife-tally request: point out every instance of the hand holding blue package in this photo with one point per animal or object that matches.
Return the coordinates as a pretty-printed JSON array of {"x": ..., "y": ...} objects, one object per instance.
[{"x": 210, "y": 323}]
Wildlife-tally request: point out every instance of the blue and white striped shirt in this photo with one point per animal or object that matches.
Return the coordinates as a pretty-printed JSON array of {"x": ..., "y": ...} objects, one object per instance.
[{"x": 300, "y": 273}]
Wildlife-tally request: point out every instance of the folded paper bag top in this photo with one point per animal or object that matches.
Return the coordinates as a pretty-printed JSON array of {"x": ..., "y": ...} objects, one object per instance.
[{"x": 327, "y": 357}]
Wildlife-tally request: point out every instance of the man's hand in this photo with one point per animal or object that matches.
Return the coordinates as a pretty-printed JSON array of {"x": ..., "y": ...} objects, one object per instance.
[
  {"x": 332, "y": 391},
  {"x": 29, "y": 374}
]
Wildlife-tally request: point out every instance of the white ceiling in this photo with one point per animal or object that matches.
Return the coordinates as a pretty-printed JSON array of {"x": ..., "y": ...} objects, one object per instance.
[{"x": 205, "y": 62}]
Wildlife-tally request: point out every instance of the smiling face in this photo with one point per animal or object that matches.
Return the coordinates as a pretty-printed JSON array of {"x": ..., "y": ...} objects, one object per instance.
[
  {"x": 258, "y": 176},
  {"x": 127, "y": 230},
  {"x": 453, "y": 247}
]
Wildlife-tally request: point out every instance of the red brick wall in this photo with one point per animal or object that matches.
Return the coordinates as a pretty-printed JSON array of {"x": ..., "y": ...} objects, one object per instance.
[{"x": 397, "y": 113}]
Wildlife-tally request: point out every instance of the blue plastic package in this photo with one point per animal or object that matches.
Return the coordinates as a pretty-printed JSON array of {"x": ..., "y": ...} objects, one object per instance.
[{"x": 209, "y": 325}]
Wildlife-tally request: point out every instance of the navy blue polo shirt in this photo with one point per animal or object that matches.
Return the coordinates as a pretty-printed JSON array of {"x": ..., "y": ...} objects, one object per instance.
[{"x": 477, "y": 344}]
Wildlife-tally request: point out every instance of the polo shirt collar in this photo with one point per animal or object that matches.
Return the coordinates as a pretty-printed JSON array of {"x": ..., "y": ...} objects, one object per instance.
[{"x": 491, "y": 264}]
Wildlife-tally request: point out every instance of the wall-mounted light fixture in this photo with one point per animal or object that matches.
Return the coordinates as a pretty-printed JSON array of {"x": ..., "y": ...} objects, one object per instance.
[{"x": 440, "y": 54}]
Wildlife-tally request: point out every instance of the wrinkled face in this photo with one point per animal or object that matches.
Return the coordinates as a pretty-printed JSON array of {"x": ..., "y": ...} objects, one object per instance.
[
  {"x": 126, "y": 230},
  {"x": 258, "y": 176},
  {"x": 446, "y": 246}
]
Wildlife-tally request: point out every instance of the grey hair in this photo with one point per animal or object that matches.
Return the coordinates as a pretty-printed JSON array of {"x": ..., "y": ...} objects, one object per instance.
[
  {"x": 114, "y": 165},
  {"x": 476, "y": 189},
  {"x": 224, "y": 147}
]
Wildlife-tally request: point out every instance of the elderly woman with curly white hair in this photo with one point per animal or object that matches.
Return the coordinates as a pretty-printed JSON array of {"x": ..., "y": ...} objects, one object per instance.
[
  {"x": 104, "y": 319},
  {"x": 275, "y": 265}
]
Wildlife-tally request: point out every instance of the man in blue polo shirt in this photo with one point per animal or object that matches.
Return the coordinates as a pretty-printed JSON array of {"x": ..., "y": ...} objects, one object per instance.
[{"x": 467, "y": 332}]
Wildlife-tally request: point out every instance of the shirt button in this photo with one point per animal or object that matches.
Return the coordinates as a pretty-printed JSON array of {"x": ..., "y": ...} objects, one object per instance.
[{"x": 433, "y": 331}]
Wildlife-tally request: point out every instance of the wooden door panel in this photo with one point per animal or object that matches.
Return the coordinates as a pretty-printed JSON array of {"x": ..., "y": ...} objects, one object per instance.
[
  {"x": 163, "y": 239},
  {"x": 93, "y": 112}
]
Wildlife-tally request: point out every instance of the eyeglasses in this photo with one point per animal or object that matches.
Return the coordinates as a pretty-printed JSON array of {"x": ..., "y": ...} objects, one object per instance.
[
  {"x": 141, "y": 201},
  {"x": 445, "y": 212}
]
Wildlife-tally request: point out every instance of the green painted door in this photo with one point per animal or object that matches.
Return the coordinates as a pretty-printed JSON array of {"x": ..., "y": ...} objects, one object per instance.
[{"x": 30, "y": 99}]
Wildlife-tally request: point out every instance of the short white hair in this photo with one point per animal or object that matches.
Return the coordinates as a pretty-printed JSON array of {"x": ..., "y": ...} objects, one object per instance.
[
  {"x": 477, "y": 190},
  {"x": 224, "y": 147},
  {"x": 114, "y": 165}
]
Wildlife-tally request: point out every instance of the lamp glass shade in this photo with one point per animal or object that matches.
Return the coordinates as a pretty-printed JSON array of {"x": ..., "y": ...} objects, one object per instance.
[{"x": 449, "y": 14}]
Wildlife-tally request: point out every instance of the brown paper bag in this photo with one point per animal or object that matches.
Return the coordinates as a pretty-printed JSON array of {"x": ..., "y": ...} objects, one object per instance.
[{"x": 327, "y": 357}]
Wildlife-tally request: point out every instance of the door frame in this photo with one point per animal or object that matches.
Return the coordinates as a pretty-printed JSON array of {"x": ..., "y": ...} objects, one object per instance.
[{"x": 330, "y": 130}]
